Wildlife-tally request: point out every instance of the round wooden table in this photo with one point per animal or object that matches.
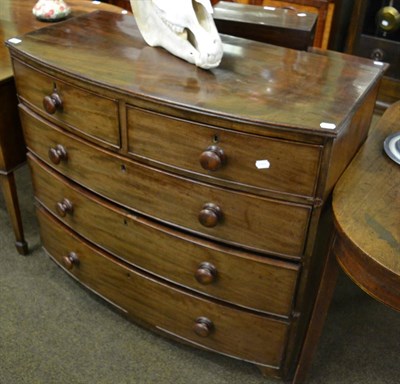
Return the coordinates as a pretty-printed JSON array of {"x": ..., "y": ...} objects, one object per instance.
[
  {"x": 16, "y": 19},
  {"x": 366, "y": 241},
  {"x": 366, "y": 207}
]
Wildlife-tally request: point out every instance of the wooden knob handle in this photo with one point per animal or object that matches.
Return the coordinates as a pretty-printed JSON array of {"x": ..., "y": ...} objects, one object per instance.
[
  {"x": 52, "y": 103},
  {"x": 70, "y": 260},
  {"x": 206, "y": 273},
  {"x": 203, "y": 326},
  {"x": 213, "y": 158},
  {"x": 210, "y": 215},
  {"x": 57, "y": 154},
  {"x": 64, "y": 207}
]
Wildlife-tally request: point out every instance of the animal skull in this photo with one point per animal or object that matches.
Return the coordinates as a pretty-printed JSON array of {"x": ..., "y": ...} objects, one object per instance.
[{"x": 183, "y": 27}]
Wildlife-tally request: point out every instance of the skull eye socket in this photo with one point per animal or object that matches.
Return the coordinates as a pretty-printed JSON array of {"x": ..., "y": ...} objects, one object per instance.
[
  {"x": 202, "y": 13},
  {"x": 206, "y": 4}
]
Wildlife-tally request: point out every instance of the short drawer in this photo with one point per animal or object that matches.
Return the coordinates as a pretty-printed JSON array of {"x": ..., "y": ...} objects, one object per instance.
[
  {"x": 236, "y": 158},
  {"x": 200, "y": 265},
  {"x": 83, "y": 112},
  {"x": 205, "y": 323},
  {"x": 236, "y": 218}
]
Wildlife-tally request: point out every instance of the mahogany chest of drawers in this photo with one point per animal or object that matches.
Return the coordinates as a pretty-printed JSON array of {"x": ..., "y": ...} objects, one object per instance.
[{"x": 197, "y": 202}]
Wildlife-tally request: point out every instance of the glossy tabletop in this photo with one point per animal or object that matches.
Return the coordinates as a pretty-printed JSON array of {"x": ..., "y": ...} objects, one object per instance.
[
  {"x": 366, "y": 205},
  {"x": 296, "y": 90},
  {"x": 16, "y": 19}
]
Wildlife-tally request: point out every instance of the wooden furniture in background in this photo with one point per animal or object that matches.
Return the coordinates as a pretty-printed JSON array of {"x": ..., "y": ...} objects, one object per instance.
[
  {"x": 15, "y": 19},
  {"x": 323, "y": 8},
  {"x": 366, "y": 38},
  {"x": 125, "y": 4},
  {"x": 366, "y": 205},
  {"x": 282, "y": 27},
  {"x": 272, "y": 26},
  {"x": 366, "y": 242},
  {"x": 197, "y": 202}
]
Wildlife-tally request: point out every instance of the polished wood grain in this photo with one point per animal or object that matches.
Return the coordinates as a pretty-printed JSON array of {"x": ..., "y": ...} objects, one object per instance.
[
  {"x": 366, "y": 204},
  {"x": 126, "y": 4},
  {"x": 323, "y": 8},
  {"x": 254, "y": 222},
  {"x": 16, "y": 19},
  {"x": 166, "y": 308},
  {"x": 71, "y": 106},
  {"x": 255, "y": 83},
  {"x": 184, "y": 176},
  {"x": 274, "y": 26},
  {"x": 239, "y": 153},
  {"x": 366, "y": 237},
  {"x": 203, "y": 266}
]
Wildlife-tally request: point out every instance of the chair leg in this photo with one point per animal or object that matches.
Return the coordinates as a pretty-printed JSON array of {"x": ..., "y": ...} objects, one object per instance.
[{"x": 11, "y": 199}]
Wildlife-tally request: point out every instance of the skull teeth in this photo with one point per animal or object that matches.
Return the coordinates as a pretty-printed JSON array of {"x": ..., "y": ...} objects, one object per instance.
[
  {"x": 178, "y": 29},
  {"x": 175, "y": 28}
]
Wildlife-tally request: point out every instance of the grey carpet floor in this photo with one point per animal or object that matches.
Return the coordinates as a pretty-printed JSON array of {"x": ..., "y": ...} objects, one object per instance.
[{"x": 53, "y": 331}]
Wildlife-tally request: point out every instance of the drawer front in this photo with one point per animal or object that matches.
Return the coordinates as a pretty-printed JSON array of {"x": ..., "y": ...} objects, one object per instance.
[
  {"x": 199, "y": 265},
  {"x": 257, "y": 223},
  {"x": 236, "y": 158},
  {"x": 248, "y": 336},
  {"x": 85, "y": 113}
]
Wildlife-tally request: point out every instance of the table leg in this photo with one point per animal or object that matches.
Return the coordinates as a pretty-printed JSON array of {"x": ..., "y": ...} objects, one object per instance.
[{"x": 11, "y": 199}]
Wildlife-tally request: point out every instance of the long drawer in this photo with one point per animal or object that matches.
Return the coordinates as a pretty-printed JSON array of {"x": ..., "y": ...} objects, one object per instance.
[
  {"x": 240, "y": 278},
  {"x": 204, "y": 323},
  {"x": 247, "y": 220},
  {"x": 71, "y": 106},
  {"x": 236, "y": 158}
]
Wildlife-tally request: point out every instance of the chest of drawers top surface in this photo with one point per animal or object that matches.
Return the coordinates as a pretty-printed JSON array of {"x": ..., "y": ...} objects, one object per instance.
[
  {"x": 150, "y": 191},
  {"x": 256, "y": 83}
]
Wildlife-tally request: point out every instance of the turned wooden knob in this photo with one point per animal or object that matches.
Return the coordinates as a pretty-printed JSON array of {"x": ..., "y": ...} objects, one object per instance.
[
  {"x": 210, "y": 215},
  {"x": 64, "y": 207},
  {"x": 52, "y": 103},
  {"x": 70, "y": 260},
  {"x": 58, "y": 153},
  {"x": 203, "y": 326},
  {"x": 212, "y": 158},
  {"x": 206, "y": 273}
]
